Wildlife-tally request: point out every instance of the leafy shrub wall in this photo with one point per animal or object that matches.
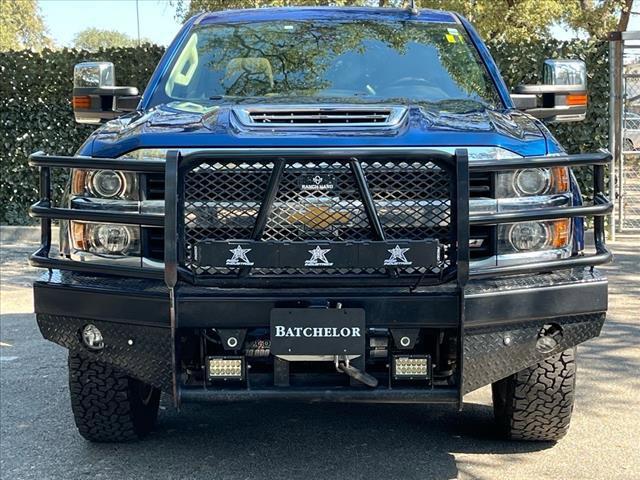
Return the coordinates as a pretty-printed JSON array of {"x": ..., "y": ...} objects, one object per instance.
[
  {"x": 36, "y": 114},
  {"x": 35, "y": 110}
]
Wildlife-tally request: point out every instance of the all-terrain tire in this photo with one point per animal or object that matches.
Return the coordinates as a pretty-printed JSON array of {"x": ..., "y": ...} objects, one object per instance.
[
  {"x": 536, "y": 403},
  {"x": 109, "y": 406}
]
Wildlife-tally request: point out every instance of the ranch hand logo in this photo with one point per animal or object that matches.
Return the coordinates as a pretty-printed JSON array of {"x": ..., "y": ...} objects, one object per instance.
[
  {"x": 239, "y": 257},
  {"x": 317, "y": 183},
  {"x": 397, "y": 256},
  {"x": 318, "y": 258}
]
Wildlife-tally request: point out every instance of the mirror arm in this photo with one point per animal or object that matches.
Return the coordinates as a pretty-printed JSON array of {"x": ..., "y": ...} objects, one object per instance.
[
  {"x": 523, "y": 101},
  {"x": 127, "y": 103}
]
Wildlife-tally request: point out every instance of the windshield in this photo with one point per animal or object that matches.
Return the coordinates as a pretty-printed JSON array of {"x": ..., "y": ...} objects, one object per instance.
[{"x": 322, "y": 61}]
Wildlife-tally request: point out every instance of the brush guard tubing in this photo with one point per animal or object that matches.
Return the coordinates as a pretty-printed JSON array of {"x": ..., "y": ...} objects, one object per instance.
[
  {"x": 459, "y": 163},
  {"x": 43, "y": 209}
]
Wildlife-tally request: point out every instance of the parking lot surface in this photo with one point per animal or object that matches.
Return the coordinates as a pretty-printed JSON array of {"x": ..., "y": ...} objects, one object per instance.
[{"x": 38, "y": 439}]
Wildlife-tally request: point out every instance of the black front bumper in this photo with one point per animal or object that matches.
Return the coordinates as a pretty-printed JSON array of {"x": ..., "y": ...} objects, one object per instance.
[{"x": 502, "y": 321}]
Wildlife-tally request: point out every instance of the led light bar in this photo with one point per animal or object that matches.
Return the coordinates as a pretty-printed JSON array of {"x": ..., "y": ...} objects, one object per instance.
[
  {"x": 225, "y": 368},
  {"x": 411, "y": 367}
]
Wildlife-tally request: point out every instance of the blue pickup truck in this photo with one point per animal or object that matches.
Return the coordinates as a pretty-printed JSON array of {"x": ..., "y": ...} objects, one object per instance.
[{"x": 322, "y": 204}]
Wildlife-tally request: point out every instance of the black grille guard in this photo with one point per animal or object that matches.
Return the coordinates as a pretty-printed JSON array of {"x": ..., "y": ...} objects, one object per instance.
[{"x": 457, "y": 165}]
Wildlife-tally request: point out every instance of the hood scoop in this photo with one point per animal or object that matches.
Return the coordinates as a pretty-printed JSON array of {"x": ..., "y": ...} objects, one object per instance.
[{"x": 311, "y": 116}]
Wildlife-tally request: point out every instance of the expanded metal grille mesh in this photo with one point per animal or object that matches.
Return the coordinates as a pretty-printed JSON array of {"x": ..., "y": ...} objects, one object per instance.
[
  {"x": 332, "y": 212},
  {"x": 221, "y": 202},
  {"x": 412, "y": 199},
  {"x": 316, "y": 201}
]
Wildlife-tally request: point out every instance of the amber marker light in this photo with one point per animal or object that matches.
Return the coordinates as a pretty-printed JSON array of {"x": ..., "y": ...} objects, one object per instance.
[
  {"x": 577, "y": 99},
  {"x": 560, "y": 233},
  {"x": 78, "y": 179},
  {"x": 78, "y": 236},
  {"x": 560, "y": 179},
  {"x": 81, "y": 102}
]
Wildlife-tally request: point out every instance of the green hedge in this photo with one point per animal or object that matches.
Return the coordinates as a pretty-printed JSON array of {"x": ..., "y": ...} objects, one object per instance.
[
  {"x": 35, "y": 111},
  {"x": 521, "y": 63},
  {"x": 36, "y": 114}
]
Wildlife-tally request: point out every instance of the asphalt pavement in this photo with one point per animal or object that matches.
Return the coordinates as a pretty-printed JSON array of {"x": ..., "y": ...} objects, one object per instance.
[{"x": 38, "y": 439}]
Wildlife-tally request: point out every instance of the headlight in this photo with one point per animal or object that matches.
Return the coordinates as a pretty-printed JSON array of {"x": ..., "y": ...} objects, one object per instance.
[
  {"x": 106, "y": 184},
  {"x": 528, "y": 236},
  {"x": 534, "y": 236},
  {"x": 110, "y": 239},
  {"x": 106, "y": 238},
  {"x": 532, "y": 182}
]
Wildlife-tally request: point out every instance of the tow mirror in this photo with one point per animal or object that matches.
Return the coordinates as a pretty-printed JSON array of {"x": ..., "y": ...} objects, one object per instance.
[
  {"x": 95, "y": 96},
  {"x": 562, "y": 97}
]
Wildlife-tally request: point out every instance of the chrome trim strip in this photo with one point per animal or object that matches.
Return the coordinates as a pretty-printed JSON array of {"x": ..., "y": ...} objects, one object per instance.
[
  {"x": 92, "y": 258},
  {"x": 476, "y": 153},
  {"x": 477, "y": 206}
]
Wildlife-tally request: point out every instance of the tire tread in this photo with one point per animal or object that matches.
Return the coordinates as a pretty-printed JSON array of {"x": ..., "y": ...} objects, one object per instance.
[
  {"x": 538, "y": 401},
  {"x": 102, "y": 403}
]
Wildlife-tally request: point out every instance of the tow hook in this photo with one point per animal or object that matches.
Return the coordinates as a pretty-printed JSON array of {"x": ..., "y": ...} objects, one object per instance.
[{"x": 343, "y": 366}]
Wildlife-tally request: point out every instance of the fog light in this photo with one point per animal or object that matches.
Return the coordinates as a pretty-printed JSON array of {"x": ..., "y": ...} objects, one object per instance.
[
  {"x": 411, "y": 367},
  {"x": 225, "y": 368},
  {"x": 92, "y": 337}
]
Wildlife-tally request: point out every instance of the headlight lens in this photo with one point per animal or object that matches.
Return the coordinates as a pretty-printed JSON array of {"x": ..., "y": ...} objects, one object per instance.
[
  {"x": 106, "y": 184},
  {"x": 106, "y": 238},
  {"x": 110, "y": 239},
  {"x": 534, "y": 236},
  {"x": 532, "y": 182},
  {"x": 528, "y": 236}
]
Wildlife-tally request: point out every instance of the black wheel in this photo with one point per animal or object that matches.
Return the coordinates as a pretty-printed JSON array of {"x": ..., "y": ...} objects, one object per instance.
[
  {"x": 109, "y": 406},
  {"x": 627, "y": 145},
  {"x": 536, "y": 403}
]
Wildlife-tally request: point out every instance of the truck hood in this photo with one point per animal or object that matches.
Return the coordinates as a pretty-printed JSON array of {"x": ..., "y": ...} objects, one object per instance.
[{"x": 189, "y": 125}]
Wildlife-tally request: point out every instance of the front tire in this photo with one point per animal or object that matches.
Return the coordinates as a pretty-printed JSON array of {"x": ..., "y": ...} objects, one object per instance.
[
  {"x": 536, "y": 403},
  {"x": 109, "y": 406}
]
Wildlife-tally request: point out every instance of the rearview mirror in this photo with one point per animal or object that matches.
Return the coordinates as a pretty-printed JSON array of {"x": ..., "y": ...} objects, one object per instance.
[
  {"x": 562, "y": 97},
  {"x": 95, "y": 97}
]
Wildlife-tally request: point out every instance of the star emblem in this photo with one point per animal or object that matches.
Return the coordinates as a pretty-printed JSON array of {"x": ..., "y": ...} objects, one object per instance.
[
  {"x": 239, "y": 256},
  {"x": 318, "y": 258},
  {"x": 397, "y": 256}
]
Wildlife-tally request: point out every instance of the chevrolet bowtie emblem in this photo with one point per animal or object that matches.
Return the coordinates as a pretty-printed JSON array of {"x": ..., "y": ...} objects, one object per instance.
[{"x": 319, "y": 217}]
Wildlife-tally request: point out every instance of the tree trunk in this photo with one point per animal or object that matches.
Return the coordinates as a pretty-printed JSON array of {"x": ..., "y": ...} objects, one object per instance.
[{"x": 623, "y": 23}]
